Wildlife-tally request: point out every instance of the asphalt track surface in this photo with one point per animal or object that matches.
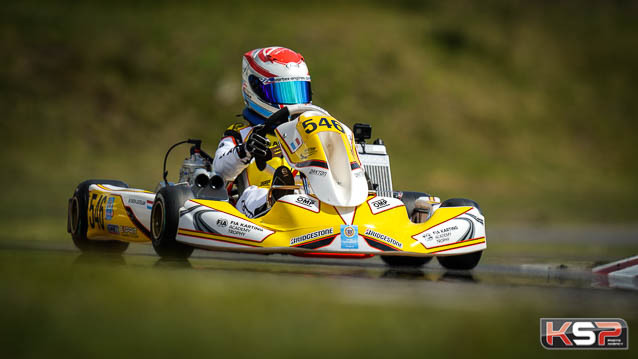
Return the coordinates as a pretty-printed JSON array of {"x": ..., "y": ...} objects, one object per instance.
[{"x": 499, "y": 271}]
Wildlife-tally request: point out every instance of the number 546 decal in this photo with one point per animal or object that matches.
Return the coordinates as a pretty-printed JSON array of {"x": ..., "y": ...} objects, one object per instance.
[
  {"x": 96, "y": 210},
  {"x": 312, "y": 124}
]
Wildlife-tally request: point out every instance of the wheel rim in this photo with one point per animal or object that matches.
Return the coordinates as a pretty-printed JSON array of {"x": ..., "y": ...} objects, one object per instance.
[
  {"x": 157, "y": 219},
  {"x": 74, "y": 213}
]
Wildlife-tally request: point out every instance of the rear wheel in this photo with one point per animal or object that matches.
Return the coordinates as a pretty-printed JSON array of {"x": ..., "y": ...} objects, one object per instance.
[
  {"x": 165, "y": 221},
  {"x": 408, "y": 199},
  {"x": 77, "y": 220},
  {"x": 462, "y": 261}
]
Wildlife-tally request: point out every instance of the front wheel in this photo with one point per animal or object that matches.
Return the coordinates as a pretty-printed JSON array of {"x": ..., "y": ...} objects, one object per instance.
[
  {"x": 461, "y": 261},
  {"x": 165, "y": 221}
]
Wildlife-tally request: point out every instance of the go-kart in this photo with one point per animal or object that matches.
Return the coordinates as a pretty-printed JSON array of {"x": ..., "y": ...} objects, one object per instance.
[{"x": 345, "y": 207}]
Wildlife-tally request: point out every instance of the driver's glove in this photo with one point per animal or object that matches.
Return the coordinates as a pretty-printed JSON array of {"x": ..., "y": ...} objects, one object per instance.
[{"x": 257, "y": 145}]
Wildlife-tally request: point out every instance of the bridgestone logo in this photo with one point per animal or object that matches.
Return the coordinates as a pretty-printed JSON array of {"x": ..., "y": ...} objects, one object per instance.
[
  {"x": 384, "y": 238},
  {"x": 309, "y": 236}
]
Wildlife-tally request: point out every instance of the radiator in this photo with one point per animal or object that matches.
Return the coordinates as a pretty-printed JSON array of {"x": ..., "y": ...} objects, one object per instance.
[{"x": 376, "y": 163}]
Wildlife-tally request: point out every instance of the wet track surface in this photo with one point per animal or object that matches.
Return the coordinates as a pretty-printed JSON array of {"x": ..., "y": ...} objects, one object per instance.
[
  {"x": 498, "y": 270},
  {"x": 50, "y": 287}
]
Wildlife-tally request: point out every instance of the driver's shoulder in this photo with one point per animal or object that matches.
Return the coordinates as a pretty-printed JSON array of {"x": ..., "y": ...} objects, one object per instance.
[
  {"x": 237, "y": 126},
  {"x": 238, "y": 131}
]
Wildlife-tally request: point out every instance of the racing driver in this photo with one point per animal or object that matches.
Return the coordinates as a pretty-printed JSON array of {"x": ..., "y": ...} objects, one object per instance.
[{"x": 272, "y": 77}]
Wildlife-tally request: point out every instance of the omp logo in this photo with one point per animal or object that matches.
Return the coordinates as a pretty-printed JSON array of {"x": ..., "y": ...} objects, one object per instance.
[
  {"x": 381, "y": 203},
  {"x": 305, "y": 201},
  {"x": 584, "y": 333}
]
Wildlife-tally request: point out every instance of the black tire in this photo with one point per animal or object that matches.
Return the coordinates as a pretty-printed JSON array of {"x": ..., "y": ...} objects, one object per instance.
[
  {"x": 462, "y": 261},
  {"x": 408, "y": 200},
  {"x": 460, "y": 202},
  {"x": 77, "y": 220},
  {"x": 165, "y": 221}
]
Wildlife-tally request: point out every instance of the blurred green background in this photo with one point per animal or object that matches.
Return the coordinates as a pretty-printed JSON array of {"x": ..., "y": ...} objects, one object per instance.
[{"x": 528, "y": 107}]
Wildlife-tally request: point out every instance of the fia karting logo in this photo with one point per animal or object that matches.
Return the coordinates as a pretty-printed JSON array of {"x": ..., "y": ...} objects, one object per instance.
[
  {"x": 584, "y": 333},
  {"x": 221, "y": 222}
]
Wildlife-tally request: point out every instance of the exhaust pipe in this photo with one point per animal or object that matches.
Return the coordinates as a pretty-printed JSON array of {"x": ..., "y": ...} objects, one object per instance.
[
  {"x": 216, "y": 182},
  {"x": 202, "y": 178}
]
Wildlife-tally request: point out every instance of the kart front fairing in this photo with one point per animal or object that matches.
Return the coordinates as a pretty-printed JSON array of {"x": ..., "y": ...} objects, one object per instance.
[
  {"x": 323, "y": 149},
  {"x": 301, "y": 223}
]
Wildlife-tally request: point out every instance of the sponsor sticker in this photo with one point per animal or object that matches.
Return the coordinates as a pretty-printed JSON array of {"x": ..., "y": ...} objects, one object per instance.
[
  {"x": 294, "y": 145},
  {"x": 241, "y": 229},
  {"x": 349, "y": 237},
  {"x": 584, "y": 333},
  {"x": 113, "y": 229},
  {"x": 454, "y": 231},
  {"x": 317, "y": 172},
  {"x": 379, "y": 203},
  {"x": 137, "y": 201},
  {"x": 108, "y": 215},
  {"x": 230, "y": 226},
  {"x": 437, "y": 237},
  {"x": 382, "y": 204},
  {"x": 303, "y": 201},
  {"x": 382, "y": 237},
  {"x": 222, "y": 222},
  {"x": 309, "y": 151},
  {"x": 128, "y": 231},
  {"x": 311, "y": 236},
  {"x": 306, "y": 202}
]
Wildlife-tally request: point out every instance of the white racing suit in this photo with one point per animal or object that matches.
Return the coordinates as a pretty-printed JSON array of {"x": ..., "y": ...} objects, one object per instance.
[{"x": 235, "y": 165}]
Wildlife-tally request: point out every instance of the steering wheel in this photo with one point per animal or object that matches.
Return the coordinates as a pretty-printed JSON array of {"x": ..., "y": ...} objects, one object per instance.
[{"x": 282, "y": 116}]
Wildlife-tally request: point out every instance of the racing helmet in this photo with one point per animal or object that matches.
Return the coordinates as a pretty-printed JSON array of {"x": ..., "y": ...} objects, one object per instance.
[{"x": 273, "y": 77}]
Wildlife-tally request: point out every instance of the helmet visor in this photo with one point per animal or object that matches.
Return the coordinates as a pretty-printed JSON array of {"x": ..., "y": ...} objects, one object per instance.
[{"x": 287, "y": 92}]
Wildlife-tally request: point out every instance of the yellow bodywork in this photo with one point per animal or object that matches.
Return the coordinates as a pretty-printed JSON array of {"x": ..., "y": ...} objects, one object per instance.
[
  {"x": 124, "y": 214},
  {"x": 110, "y": 217},
  {"x": 392, "y": 228},
  {"x": 309, "y": 146}
]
